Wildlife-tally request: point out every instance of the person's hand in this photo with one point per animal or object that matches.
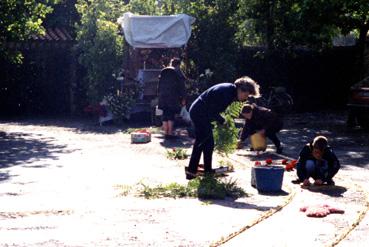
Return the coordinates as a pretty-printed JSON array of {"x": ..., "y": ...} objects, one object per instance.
[
  {"x": 240, "y": 144},
  {"x": 318, "y": 182},
  {"x": 262, "y": 132},
  {"x": 183, "y": 102}
]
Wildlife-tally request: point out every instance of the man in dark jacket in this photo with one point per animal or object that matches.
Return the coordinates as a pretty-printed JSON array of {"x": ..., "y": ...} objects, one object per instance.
[
  {"x": 206, "y": 109},
  {"x": 261, "y": 120},
  {"x": 318, "y": 161},
  {"x": 171, "y": 92}
]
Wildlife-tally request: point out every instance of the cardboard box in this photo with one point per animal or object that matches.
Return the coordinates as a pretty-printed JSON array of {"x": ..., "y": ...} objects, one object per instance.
[{"x": 141, "y": 136}]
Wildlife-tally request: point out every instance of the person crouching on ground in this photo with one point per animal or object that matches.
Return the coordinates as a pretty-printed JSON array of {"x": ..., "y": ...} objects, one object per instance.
[
  {"x": 206, "y": 109},
  {"x": 318, "y": 161},
  {"x": 263, "y": 121},
  {"x": 171, "y": 92}
]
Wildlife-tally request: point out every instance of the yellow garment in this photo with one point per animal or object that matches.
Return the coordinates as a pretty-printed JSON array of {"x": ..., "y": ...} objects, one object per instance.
[{"x": 258, "y": 142}]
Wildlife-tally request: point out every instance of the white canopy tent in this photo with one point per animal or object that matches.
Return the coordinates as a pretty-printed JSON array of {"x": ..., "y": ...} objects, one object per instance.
[{"x": 142, "y": 31}]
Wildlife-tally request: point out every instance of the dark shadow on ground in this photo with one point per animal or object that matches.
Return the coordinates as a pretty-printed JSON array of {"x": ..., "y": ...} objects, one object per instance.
[
  {"x": 253, "y": 156},
  {"x": 276, "y": 193},
  {"x": 23, "y": 149},
  {"x": 80, "y": 125},
  {"x": 181, "y": 142},
  {"x": 333, "y": 191},
  {"x": 229, "y": 202},
  {"x": 4, "y": 176}
]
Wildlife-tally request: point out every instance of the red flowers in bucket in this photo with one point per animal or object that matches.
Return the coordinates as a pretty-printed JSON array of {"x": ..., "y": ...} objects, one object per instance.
[
  {"x": 289, "y": 165},
  {"x": 257, "y": 163},
  {"x": 267, "y": 162}
]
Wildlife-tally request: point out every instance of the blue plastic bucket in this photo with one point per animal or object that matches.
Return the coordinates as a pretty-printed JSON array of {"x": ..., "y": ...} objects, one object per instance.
[{"x": 269, "y": 178}]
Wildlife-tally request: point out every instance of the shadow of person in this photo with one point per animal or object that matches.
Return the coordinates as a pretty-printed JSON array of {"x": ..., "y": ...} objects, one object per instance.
[
  {"x": 275, "y": 193},
  {"x": 4, "y": 176},
  {"x": 232, "y": 203},
  {"x": 329, "y": 190},
  {"x": 253, "y": 156},
  {"x": 179, "y": 142}
]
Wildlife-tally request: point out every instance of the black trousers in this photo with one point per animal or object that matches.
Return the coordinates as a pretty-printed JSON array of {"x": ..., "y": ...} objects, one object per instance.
[
  {"x": 272, "y": 135},
  {"x": 204, "y": 142}
]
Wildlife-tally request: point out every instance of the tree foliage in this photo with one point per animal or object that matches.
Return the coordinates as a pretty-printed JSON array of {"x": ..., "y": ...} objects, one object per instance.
[
  {"x": 281, "y": 24},
  {"x": 222, "y": 27},
  {"x": 19, "y": 20},
  {"x": 100, "y": 46}
]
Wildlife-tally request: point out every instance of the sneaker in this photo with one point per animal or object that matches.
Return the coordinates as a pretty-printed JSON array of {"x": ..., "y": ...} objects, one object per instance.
[
  {"x": 190, "y": 175},
  {"x": 279, "y": 150}
]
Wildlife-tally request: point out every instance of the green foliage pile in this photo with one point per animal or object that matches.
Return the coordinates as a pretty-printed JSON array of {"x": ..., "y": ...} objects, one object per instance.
[
  {"x": 226, "y": 135},
  {"x": 207, "y": 187},
  {"x": 177, "y": 154}
]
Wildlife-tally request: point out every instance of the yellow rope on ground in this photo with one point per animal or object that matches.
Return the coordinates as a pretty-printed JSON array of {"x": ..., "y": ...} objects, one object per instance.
[
  {"x": 270, "y": 212},
  {"x": 360, "y": 217},
  {"x": 264, "y": 216}
]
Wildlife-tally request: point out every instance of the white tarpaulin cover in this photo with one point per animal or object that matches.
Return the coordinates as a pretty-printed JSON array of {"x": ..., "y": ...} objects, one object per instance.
[{"x": 142, "y": 31}]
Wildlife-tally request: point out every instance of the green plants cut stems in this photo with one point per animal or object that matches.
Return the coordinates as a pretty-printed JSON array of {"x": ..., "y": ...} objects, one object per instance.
[{"x": 226, "y": 135}]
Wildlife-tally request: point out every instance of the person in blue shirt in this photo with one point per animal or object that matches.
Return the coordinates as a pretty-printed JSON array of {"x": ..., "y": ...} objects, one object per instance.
[{"x": 206, "y": 109}]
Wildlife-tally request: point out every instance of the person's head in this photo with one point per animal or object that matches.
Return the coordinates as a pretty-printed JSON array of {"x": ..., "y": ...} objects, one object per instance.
[
  {"x": 175, "y": 62},
  {"x": 320, "y": 143},
  {"x": 246, "y": 111},
  {"x": 246, "y": 87}
]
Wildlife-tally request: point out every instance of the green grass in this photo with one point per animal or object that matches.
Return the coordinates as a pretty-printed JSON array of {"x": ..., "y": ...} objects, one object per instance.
[
  {"x": 202, "y": 188},
  {"x": 123, "y": 189},
  {"x": 177, "y": 154}
]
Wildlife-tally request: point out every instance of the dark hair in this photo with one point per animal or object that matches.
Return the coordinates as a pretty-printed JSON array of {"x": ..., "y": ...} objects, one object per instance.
[
  {"x": 247, "y": 108},
  {"x": 320, "y": 143},
  {"x": 246, "y": 84},
  {"x": 175, "y": 62}
]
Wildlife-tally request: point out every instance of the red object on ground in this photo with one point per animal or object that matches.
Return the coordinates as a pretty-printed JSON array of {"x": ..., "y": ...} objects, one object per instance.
[
  {"x": 284, "y": 162},
  {"x": 290, "y": 166},
  {"x": 320, "y": 211},
  {"x": 143, "y": 131}
]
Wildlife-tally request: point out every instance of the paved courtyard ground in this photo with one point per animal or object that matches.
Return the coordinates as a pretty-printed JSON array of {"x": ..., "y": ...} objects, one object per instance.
[{"x": 60, "y": 185}]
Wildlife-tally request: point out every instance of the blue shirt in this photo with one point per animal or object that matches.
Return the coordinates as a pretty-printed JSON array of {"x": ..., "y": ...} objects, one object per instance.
[{"x": 215, "y": 100}]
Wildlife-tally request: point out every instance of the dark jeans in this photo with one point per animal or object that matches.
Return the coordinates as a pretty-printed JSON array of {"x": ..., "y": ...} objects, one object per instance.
[
  {"x": 316, "y": 170},
  {"x": 204, "y": 141}
]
